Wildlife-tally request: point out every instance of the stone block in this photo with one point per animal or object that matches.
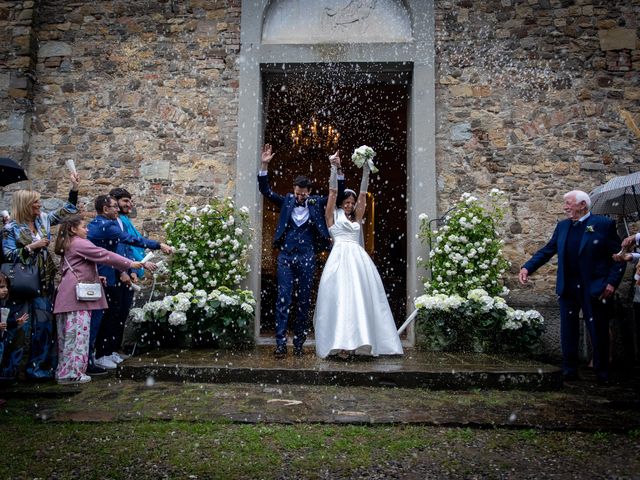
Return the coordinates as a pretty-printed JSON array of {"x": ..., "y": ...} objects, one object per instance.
[
  {"x": 617, "y": 39},
  {"x": 606, "y": 24},
  {"x": 461, "y": 132},
  {"x": 481, "y": 90},
  {"x": 5, "y": 81},
  {"x": 464, "y": 90},
  {"x": 592, "y": 167},
  {"x": 19, "y": 63},
  {"x": 19, "y": 81},
  {"x": 17, "y": 93},
  {"x": 13, "y": 138},
  {"x": 157, "y": 170},
  {"x": 26, "y": 14},
  {"x": 54, "y": 49},
  {"x": 632, "y": 93},
  {"x": 521, "y": 169}
]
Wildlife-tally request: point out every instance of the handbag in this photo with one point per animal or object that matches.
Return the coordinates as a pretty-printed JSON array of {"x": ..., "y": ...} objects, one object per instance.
[
  {"x": 24, "y": 279},
  {"x": 88, "y": 291},
  {"x": 85, "y": 292}
]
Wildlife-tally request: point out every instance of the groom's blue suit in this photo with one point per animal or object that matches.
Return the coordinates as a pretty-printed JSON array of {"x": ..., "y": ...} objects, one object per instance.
[
  {"x": 298, "y": 245},
  {"x": 585, "y": 268}
]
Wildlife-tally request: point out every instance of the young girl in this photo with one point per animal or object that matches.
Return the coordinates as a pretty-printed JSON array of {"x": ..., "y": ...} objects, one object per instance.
[
  {"x": 73, "y": 316},
  {"x": 13, "y": 332}
]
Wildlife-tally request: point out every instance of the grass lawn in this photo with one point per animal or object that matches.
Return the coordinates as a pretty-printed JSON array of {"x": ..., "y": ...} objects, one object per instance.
[{"x": 149, "y": 449}]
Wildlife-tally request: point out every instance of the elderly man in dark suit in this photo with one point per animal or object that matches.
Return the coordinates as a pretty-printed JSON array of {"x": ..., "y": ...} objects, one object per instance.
[
  {"x": 586, "y": 279},
  {"x": 300, "y": 234}
]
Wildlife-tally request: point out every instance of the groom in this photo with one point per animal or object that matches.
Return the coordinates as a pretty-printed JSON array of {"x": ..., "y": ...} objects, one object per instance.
[{"x": 300, "y": 234}]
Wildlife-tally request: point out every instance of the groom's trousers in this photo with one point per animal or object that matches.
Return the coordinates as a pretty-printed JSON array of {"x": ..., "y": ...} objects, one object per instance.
[{"x": 295, "y": 279}]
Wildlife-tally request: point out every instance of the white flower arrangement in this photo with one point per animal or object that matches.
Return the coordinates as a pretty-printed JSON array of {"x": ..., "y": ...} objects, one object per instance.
[
  {"x": 463, "y": 305},
  {"x": 362, "y": 155},
  {"x": 209, "y": 264},
  {"x": 214, "y": 314}
]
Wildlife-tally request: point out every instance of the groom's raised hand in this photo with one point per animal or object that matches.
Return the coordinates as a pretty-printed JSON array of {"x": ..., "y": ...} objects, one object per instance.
[{"x": 267, "y": 155}]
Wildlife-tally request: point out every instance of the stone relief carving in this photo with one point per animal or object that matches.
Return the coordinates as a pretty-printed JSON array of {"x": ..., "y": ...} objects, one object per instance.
[
  {"x": 356, "y": 11},
  {"x": 336, "y": 21}
]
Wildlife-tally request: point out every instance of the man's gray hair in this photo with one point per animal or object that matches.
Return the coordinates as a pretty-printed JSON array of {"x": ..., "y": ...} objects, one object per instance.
[{"x": 580, "y": 196}]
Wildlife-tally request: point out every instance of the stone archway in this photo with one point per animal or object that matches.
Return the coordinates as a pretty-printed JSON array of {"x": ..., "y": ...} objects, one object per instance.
[{"x": 265, "y": 41}]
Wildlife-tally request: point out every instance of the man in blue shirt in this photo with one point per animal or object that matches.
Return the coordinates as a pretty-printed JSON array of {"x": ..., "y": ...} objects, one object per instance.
[{"x": 104, "y": 231}]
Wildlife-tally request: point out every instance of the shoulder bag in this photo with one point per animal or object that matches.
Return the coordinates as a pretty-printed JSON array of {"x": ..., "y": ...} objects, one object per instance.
[
  {"x": 24, "y": 279},
  {"x": 85, "y": 292}
]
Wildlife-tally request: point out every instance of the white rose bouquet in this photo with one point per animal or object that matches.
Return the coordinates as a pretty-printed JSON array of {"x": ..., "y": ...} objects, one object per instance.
[{"x": 362, "y": 155}]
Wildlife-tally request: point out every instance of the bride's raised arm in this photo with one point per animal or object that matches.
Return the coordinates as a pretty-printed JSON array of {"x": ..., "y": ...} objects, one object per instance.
[
  {"x": 361, "y": 204},
  {"x": 333, "y": 196}
]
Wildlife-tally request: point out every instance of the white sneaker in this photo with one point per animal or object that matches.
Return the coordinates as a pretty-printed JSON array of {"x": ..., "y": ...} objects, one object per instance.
[
  {"x": 71, "y": 380},
  {"x": 115, "y": 358},
  {"x": 106, "y": 362}
]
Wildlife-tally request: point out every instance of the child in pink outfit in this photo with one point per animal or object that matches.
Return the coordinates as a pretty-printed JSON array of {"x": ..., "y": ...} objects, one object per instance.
[{"x": 73, "y": 316}]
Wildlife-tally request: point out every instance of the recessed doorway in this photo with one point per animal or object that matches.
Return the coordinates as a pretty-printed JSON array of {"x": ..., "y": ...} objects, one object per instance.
[{"x": 311, "y": 110}]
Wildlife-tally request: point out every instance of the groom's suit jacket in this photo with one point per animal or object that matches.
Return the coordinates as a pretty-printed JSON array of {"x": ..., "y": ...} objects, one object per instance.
[
  {"x": 286, "y": 204},
  {"x": 596, "y": 267}
]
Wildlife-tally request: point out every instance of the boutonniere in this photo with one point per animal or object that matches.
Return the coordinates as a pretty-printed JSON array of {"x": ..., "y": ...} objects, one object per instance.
[
  {"x": 589, "y": 229},
  {"x": 311, "y": 201}
]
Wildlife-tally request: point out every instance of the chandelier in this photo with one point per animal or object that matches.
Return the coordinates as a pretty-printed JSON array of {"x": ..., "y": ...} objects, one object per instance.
[{"x": 315, "y": 135}]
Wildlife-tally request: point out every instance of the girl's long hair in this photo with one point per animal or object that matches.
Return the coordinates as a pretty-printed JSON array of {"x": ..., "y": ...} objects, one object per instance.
[{"x": 65, "y": 234}]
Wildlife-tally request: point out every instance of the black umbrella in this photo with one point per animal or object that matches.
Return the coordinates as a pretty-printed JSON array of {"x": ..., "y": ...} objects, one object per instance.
[
  {"x": 10, "y": 172},
  {"x": 620, "y": 195}
]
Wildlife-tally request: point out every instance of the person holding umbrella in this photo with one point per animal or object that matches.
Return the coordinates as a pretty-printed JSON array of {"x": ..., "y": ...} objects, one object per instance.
[{"x": 26, "y": 240}]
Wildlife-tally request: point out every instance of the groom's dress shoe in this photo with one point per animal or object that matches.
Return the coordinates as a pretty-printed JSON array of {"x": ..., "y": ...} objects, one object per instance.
[
  {"x": 298, "y": 352},
  {"x": 280, "y": 351}
]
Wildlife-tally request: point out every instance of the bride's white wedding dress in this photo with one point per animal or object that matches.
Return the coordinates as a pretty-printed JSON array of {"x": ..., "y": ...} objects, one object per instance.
[{"x": 352, "y": 311}]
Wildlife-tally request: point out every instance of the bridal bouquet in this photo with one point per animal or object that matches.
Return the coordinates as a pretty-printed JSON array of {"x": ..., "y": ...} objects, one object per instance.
[{"x": 364, "y": 154}]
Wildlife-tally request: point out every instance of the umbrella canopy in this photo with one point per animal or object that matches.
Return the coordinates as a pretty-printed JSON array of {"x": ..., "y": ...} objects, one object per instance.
[
  {"x": 620, "y": 195},
  {"x": 10, "y": 172}
]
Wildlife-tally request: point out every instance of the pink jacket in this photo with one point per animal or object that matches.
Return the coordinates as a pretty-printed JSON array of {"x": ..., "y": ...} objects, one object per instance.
[{"x": 83, "y": 256}]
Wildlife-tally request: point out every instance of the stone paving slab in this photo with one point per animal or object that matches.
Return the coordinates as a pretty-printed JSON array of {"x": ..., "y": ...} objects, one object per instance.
[
  {"x": 415, "y": 369},
  {"x": 581, "y": 407}
]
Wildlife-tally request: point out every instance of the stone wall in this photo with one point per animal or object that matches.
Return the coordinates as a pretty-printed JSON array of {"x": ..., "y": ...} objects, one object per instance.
[
  {"x": 140, "y": 94},
  {"x": 17, "y": 68},
  {"x": 529, "y": 95},
  {"x": 143, "y": 94}
]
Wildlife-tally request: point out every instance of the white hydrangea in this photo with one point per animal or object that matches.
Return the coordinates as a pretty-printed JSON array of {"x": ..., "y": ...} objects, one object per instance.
[
  {"x": 137, "y": 315},
  {"x": 177, "y": 318}
]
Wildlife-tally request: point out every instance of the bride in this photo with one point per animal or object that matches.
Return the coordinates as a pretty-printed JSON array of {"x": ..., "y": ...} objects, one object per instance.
[{"x": 352, "y": 314}]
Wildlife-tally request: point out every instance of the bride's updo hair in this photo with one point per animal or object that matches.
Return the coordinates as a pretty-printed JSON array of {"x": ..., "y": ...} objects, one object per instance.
[{"x": 346, "y": 194}]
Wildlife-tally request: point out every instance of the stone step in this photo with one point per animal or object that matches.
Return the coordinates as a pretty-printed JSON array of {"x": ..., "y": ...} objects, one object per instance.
[{"x": 415, "y": 369}]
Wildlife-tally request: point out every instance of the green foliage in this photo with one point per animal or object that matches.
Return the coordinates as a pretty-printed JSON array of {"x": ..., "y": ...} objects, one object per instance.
[
  {"x": 466, "y": 253},
  {"x": 211, "y": 245},
  {"x": 209, "y": 309},
  {"x": 463, "y": 308}
]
